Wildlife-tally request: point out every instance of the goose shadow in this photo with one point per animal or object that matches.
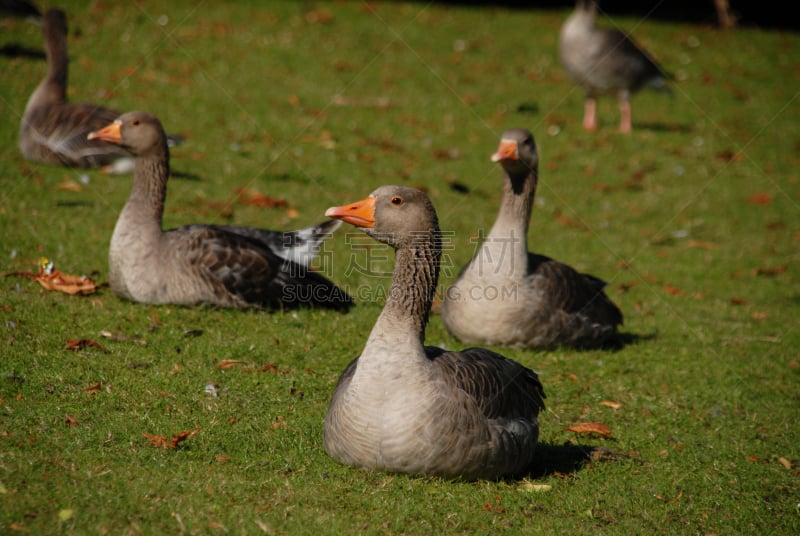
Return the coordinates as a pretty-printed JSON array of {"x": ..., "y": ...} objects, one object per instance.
[
  {"x": 15, "y": 50},
  {"x": 663, "y": 127},
  {"x": 568, "y": 459}
]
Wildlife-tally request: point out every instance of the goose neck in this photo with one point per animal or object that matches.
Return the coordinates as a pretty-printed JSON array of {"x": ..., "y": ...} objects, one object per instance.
[{"x": 408, "y": 304}]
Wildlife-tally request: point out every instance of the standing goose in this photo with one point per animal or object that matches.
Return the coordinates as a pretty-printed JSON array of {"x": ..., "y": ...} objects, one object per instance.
[
  {"x": 605, "y": 61},
  {"x": 510, "y": 297},
  {"x": 54, "y": 131},
  {"x": 226, "y": 266},
  {"x": 408, "y": 408}
]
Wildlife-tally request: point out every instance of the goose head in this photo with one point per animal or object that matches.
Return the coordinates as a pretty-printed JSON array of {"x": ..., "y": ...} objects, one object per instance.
[
  {"x": 517, "y": 152},
  {"x": 395, "y": 215},
  {"x": 138, "y": 132}
]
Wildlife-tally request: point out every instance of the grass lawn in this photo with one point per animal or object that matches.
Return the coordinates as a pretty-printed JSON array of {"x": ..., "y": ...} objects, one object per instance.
[{"x": 694, "y": 219}]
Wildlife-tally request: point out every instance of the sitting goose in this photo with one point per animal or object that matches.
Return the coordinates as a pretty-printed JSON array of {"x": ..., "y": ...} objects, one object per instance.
[
  {"x": 509, "y": 297},
  {"x": 404, "y": 407},
  {"x": 226, "y": 266},
  {"x": 605, "y": 61},
  {"x": 54, "y": 131}
]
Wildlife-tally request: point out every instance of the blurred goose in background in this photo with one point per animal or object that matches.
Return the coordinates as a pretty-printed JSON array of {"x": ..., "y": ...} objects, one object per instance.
[
  {"x": 605, "y": 61},
  {"x": 507, "y": 296},
  {"x": 405, "y": 407},
  {"x": 225, "y": 266},
  {"x": 54, "y": 131}
]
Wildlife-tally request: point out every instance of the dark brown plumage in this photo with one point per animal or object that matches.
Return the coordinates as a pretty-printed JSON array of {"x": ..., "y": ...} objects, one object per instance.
[
  {"x": 226, "y": 266},
  {"x": 605, "y": 61},
  {"x": 510, "y": 297},
  {"x": 405, "y": 407}
]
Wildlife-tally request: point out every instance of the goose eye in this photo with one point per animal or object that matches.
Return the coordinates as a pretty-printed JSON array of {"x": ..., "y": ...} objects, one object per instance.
[
  {"x": 397, "y": 200},
  {"x": 135, "y": 122}
]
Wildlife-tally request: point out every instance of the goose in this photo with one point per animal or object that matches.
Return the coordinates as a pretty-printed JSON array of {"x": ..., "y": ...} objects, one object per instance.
[
  {"x": 509, "y": 297},
  {"x": 606, "y": 61},
  {"x": 224, "y": 266},
  {"x": 53, "y": 131},
  {"x": 404, "y": 407}
]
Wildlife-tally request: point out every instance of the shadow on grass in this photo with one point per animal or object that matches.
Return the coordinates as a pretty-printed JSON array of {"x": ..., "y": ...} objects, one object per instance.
[
  {"x": 185, "y": 175},
  {"x": 15, "y": 50},
  {"x": 559, "y": 459},
  {"x": 569, "y": 458},
  {"x": 664, "y": 127}
]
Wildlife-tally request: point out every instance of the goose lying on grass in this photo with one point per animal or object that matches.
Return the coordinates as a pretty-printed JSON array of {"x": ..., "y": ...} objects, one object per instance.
[
  {"x": 225, "y": 265},
  {"x": 405, "y": 407},
  {"x": 509, "y": 297}
]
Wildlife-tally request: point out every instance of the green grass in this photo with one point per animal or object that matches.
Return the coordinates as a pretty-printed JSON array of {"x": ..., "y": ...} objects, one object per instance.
[{"x": 709, "y": 395}]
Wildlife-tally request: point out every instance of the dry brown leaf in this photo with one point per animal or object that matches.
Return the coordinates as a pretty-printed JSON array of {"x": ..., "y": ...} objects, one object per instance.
[
  {"x": 80, "y": 344},
  {"x": 156, "y": 441},
  {"x": 784, "y": 462},
  {"x": 257, "y": 199},
  {"x": 70, "y": 420},
  {"x": 760, "y": 199},
  {"x": 68, "y": 185},
  {"x": 228, "y": 363},
  {"x": 568, "y": 221},
  {"x": 67, "y": 283},
  {"x": 610, "y": 404},
  {"x": 93, "y": 389},
  {"x": 736, "y": 300},
  {"x": 700, "y": 244},
  {"x": 274, "y": 369},
  {"x": 587, "y": 428},
  {"x": 162, "y": 442},
  {"x": 675, "y": 291},
  {"x": 769, "y": 271}
]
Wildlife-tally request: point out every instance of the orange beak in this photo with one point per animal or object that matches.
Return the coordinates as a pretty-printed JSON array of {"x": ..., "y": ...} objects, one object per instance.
[
  {"x": 507, "y": 150},
  {"x": 361, "y": 213},
  {"x": 110, "y": 133}
]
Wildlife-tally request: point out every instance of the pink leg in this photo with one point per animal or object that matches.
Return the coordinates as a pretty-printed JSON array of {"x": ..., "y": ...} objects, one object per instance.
[
  {"x": 589, "y": 120},
  {"x": 625, "y": 116}
]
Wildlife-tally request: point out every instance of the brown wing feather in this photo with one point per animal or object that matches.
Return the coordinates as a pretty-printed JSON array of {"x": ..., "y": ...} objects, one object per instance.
[
  {"x": 502, "y": 388},
  {"x": 252, "y": 273},
  {"x": 574, "y": 292}
]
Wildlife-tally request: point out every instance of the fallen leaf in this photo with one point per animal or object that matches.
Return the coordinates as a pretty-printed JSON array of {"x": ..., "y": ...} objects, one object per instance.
[
  {"x": 700, "y": 244},
  {"x": 675, "y": 291},
  {"x": 222, "y": 458},
  {"x": 161, "y": 441},
  {"x": 52, "y": 279},
  {"x": 587, "y": 428},
  {"x": 257, "y": 199},
  {"x": 769, "y": 271},
  {"x": 736, "y": 300},
  {"x": 274, "y": 369},
  {"x": 759, "y": 199},
  {"x": 93, "y": 389},
  {"x": 156, "y": 441},
  {"x": 65, "y": 514},
  {"x": 228, "y": 363},
  {"x": 68, "y": 185},
  {"x": 568, "y": 221},
  {"x": 80, "y": 344},
  {"x": 752, "y": 458},
  {"x": 67, "y": 283},
  {"x": 610, "y": 404},
  {"x": 784, "y": 462},
  {"x": 70, "y": 420}
]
